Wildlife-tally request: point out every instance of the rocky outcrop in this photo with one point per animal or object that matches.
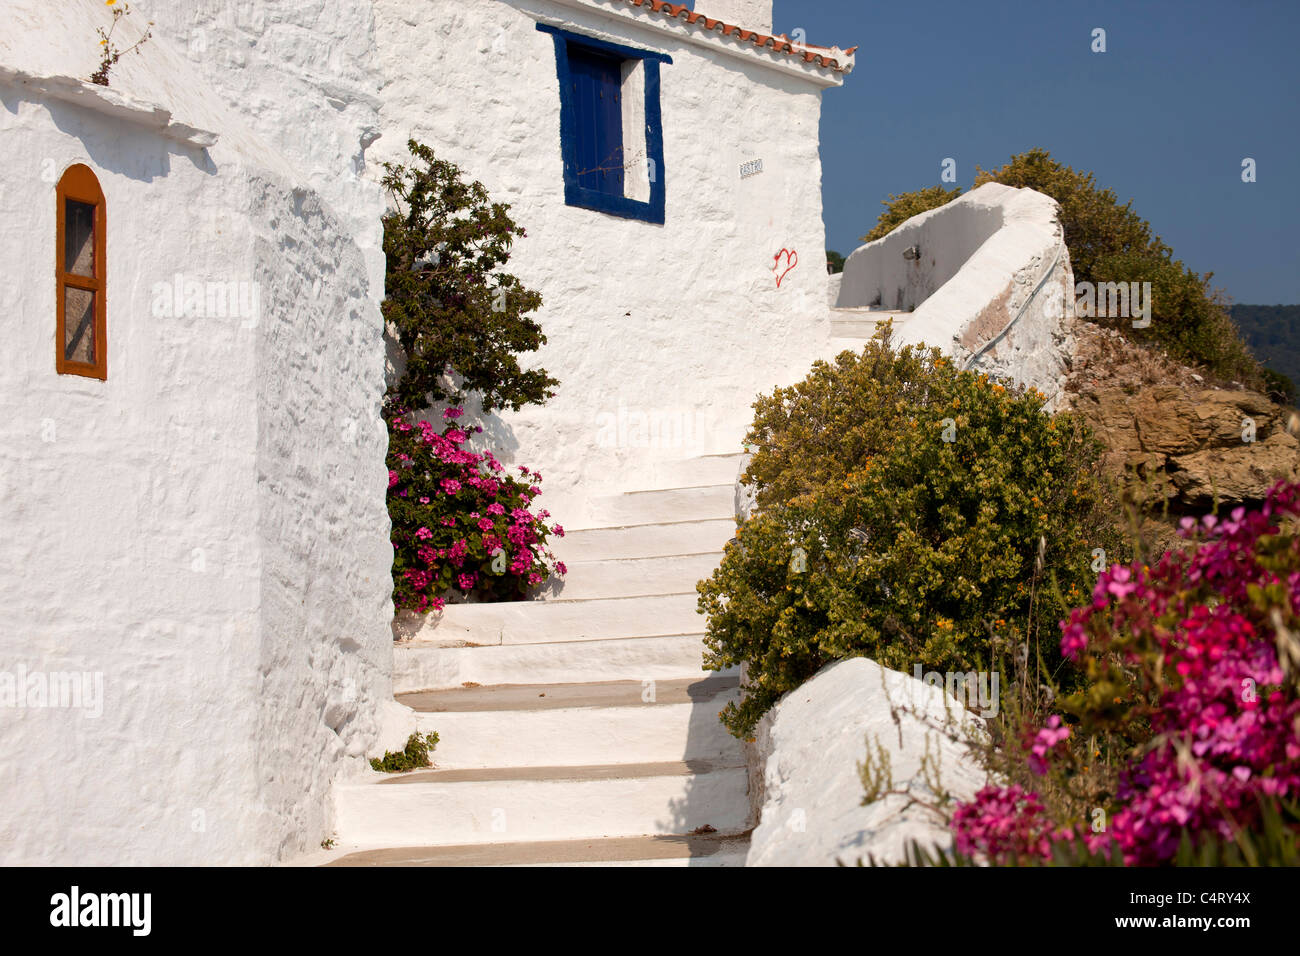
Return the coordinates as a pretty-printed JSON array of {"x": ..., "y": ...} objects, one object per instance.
[{"x": 1191, "y": 446}]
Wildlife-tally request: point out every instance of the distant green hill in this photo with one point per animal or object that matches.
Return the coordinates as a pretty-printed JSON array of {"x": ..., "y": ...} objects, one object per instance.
[{"x": 1273, "y": 334}]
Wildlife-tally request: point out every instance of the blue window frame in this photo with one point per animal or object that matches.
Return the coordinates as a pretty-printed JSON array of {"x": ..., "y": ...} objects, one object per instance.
[{"x": 600, "y": 166}]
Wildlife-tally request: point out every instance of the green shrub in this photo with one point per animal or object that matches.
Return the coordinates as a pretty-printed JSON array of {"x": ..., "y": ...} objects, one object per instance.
[
  {"x": 1189, "y": 318},
  {"x": 1279, "y": 387},
  {"x": 900, "y": 208},
  {"x": 1109, "y": 242},
  {"x": 414, "y": 756},
  {"x": 1096, "y": 225},
  {"x": 875, "y": 536},
  {"x": 452, "y": 307}
]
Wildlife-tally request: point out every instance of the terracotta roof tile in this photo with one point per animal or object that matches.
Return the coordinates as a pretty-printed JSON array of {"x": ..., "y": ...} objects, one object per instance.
[{"x": 829, "y": 58}]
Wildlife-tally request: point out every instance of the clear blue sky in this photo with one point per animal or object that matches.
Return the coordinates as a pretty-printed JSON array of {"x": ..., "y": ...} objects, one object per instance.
[{"x": 1185, "y": 90}]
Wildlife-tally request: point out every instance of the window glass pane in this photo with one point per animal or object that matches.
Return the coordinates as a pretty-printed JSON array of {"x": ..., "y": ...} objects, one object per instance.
[
  {"x": 78, "y": 325},
  {"x": 79, "y": 238}
]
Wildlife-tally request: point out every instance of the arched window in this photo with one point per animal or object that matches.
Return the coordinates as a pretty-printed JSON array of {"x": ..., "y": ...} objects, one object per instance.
[{"x": 81, "y": 346}]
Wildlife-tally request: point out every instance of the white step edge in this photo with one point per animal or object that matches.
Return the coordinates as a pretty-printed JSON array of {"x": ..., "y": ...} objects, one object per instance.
[
  {"x": 661, "y": 657},
  {"x": 655, "y": 540},
  {"x": 648, "y": 733},
  {"x": 634, "y": 577},
  {"x": 433, "y": 814},
  {"x": 542, "y": 622}
]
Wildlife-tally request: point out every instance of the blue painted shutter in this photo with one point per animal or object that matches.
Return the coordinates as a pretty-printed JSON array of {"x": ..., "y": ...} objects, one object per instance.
[{"x": 596, "y": 82}]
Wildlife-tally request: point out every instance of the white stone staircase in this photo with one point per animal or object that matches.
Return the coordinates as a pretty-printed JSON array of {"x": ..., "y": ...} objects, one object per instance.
[
  {"x": 851, "y": 327},
  {"x": 580, "y": 729}
]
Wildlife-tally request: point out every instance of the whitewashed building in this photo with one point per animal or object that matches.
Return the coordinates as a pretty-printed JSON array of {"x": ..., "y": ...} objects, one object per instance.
[
  {"x": 195, "y": 609},
  {"x": 194, "y": 557},
  {"x": 195, "y": 643},
  {"x": 665, "y": 165}
]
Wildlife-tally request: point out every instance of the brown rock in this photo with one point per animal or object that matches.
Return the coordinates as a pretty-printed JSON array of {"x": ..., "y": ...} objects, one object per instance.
[{"x": 1237, "y": 474}]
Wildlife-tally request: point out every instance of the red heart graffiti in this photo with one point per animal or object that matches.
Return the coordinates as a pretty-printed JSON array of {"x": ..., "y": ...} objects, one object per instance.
[{"x": 791, "y": 257}]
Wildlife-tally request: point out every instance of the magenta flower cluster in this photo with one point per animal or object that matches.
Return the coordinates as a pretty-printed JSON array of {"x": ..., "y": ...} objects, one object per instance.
[
  {"x": 461, "y": 523},
  {"x": 1202, "y": 630},
  {"x": 1003, "y": 823}
]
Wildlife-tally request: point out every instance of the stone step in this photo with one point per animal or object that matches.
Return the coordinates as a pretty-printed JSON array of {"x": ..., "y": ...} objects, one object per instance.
[
  {"x": 700, "y": 503},
  {"x": 662, "y": 657},
  {"x": 612, "y": 722},
  {"x": 522, "y": 804},
  {"x": 691, "y": 472},
  {"x": 709, "y": 849},
  {"x": 857, "y": 326},
  {"x": 645, "y": 541},
  {"x": 542, "y": 622},
  {"x": 630, "y": 577}
]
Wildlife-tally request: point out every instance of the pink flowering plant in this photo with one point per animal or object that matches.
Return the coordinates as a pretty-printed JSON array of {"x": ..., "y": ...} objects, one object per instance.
[
  {"x": 462, "y": 524},
  {"x": 1184, "y": 744}
]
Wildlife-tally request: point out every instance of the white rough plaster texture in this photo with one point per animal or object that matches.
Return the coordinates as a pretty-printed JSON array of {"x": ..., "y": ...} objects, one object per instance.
[
  {"x": 681, "y": 322},
  {"x": 753, "y": 15},
  {"x": 982, "y": 259},
  {"x": 808, "y": 750},
  {"x": 304, "y": 76},
  {"x": 206, "y": 529}
]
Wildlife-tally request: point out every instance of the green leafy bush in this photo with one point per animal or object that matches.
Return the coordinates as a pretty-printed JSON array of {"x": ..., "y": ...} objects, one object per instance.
[
  {"x": 452, "y": 307},
  {"x": 907, "y": 512},
  {"x": 461, "y": 525},
  {"x": 1279, "y": 387},
  {"x": 1096, "y": 224},
  {"x": 413, "y": 757},
  {"x": 1109, "y": 242}
]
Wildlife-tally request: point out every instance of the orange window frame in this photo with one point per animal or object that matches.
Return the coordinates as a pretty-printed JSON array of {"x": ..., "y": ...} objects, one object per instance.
[{"x": 79, "y": 184}]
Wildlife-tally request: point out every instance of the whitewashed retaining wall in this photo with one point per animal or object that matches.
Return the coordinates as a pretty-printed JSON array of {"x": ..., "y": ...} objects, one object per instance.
[
  {"x": 805, "y": 767},
  {"x": 204, "y": 533},
  {"x": 991, "y": 284},
  {"x": 682, "y": 323}
]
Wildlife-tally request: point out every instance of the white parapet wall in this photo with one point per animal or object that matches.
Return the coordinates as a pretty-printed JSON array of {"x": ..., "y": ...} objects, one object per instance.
[
  {"x": 804, "y": 767},
  {"x": 986, "y": 278}
]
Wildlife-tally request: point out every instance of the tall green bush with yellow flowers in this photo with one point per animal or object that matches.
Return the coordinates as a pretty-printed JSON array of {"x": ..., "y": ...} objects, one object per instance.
[{"x": 911, "y": 513}]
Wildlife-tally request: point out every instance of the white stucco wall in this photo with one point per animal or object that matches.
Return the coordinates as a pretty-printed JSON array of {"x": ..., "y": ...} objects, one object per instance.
[
  {"x": 994, "y": 255},
  {"x": 681, "y": 322},
  {"x": 808, "y": 750},
  {"x": 204, "y": 533},
  {"x": 751, "y": 14}
]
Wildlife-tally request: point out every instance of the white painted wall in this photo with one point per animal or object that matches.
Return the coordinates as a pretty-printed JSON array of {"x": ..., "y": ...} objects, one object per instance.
[
  {"x": 751, "y": 14},
  {"x": 994, "y": 255},
  {"x": 205, "y": 531},
  {"x": 682, "y": 323},
  {"x": 808, "y": 750}
]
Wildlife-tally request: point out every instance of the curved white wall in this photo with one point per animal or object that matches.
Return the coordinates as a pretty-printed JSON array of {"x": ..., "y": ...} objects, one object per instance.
[{"x": 992, "y": 285}]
